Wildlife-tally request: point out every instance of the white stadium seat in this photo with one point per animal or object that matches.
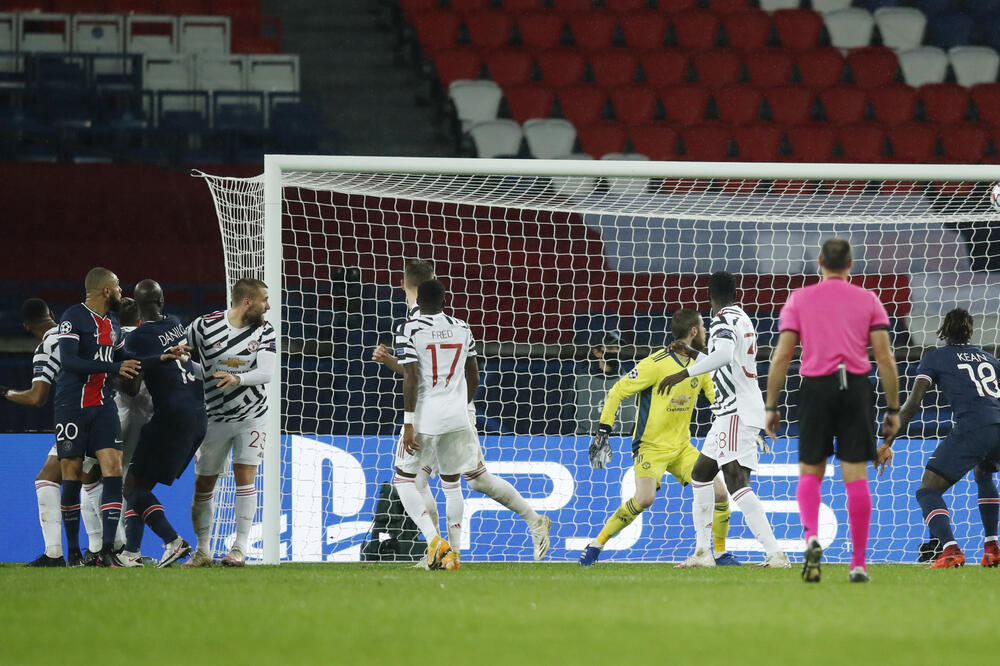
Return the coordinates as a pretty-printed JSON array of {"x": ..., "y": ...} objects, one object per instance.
[
  {"x": 901, "y": 27},
  {"x": 927, "y": 64},
  {"x": 475, "y": 100},
  {"x": 39, "y": 32},
  {"x": 974, "y": 64},
  {"x": 773, "y": 5},
  {"x": 150, "y": 33},
  {"x": 204, "y": 34},
  {"x": 496, "y": 137},
  {"x": 168, "y": 71},
  {"x": 8, "y": 41},
  {"x": 273, "y": 73},
  {"x": 98, "y": 33},
  {"x": 830, "y": 5},
  {"x": 549, "y": 137},
  {"x": 219, "y": 72},
  {"x": 849, "y": 28}
]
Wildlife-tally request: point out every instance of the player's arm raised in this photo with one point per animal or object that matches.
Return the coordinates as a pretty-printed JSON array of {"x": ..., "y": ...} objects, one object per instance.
[
  {"x": 781, "y": 358},
  {"x": 36, "y": 396},
  {"x": 906, "y": 413}
]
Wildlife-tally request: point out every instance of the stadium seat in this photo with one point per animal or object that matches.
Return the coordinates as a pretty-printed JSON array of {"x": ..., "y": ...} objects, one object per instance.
[
  {"x": 790, "y": 105},
  {"x": 893, "y": 104},
  {"x": 43, "y": 33},
  {"x": 522, "y": 5},
  {"x": 811, "y": 143},
  {"x": 717, "y": 67},
  {"x": 747, "y": 30},
  {"x": 849, "y": 28},
  {"x": 861, "y": 142},
  {"x": 582, "y": 104},
  {"x": 964, "y": 143},
  {"x": 199, "y": 7},
  {"x": 465, "y": 6},
  {"x": 459, "y": 63},
  {"x": 821, "y": 68},
  {"x": 726, "y": 6},
  {"x": 696, "y": 29},
  {"x": 529, "y": 101},
  {"x": 599, "y": 139},
  {"x": 926, "y": 64},
  {"x": 986, "y": 97},
  {"x": 98, "y": 33},
  {"x": 771, "y": 67},
  {"x": 130, "y": 6},
  {"x": 901, "y": 28},
  {"x": 974, "y": 64},
  {"x": 650, "y": 329},
  {"x": 659, "y": 142},
  {"x": 561, "y": 67},
  {"x": 759, "y": 143},
  {"x": 273, "y": 72},
  {"x": 509, "y": 67},
  {"x": 613, "y": 67},
  {"x": 475, "y": 101},
  {"x": 593, "y": 30},
  {"x": 873, "y": 66},
  {"x": 168, "y": 72},
  {"x": 934, "y": 7},
  {"x": 738, "y": 104},
  {"x": 946, "y": 103},
  {"x": 220, "y": 72},
  {"x": 495, "y": 138},
  {"x": 644, "y": 29},
  {"x": 436, "y": 29},
  {"x": 566, "y": 6},
  {"x": 706, "y": 142},
  {"x": 684, "y": 103},
  {"x": 676, "y": 5},
  {"x": 776, "y": 5},
  {"x": 541, "y": 29},
  {"x": 634, "y": 104},
  {"x": 949, "y": 29},
  {"x": 844, "y": 104},
  {"x": 625, "y": 5},
  {"x": 913, "y": 142},
  {"x": 489, "y": 29},
  {"x": 204, "y": 34},
  {"x": 798, "y": 29},
  {"x": 549, "y": 137},
  {"x": 665, "y": 67},
  {"x": 827, "y": 6}
]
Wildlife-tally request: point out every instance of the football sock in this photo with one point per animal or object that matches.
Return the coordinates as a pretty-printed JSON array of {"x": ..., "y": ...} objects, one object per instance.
[
  {"x": 90, "y": 510},
  {"x": 496, "y": 488},
  {"x": 859, "y": 515},
  {"x": 935, "y": 514},
  {"x": 701, "y": 511},
  {"x": 756, "y": 518},
  {"x": 420, "y": 481},
  {"x": 989, "y": 507},
  {"x": 133, "y": 530},
  {"x": 454, "y": 504},
  {"x": 808, "y": 494},
  {"x": 70, "y": 508},
  {"x": 414, "y": 506},
  {"x": 151, "y": 511},
  {"x": 619, "y": 520},
  {"x": 47, "y": 493},
  {"x": 111, "y": 508},
  {"x": 201, "y": 518},
  {"x": 720, "y": 526},
  {"x": 246, "y": 509}
]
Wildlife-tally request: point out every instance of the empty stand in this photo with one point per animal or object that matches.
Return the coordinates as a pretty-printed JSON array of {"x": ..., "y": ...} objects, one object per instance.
[
  {"x": 749, "y": 30},
  {"x": 706, "y": 142},
  {"x": 950, "y": 29},
  {"x": 273, "y": 72},
  {"x": 541, "y": 29},
  {"x": 769, "y": 68},
  {"x": 759, "y": 142},
  {"x": 151, "y": 34},
  {"x": 974, "y": 64},
  {"x": 658, "y": 142},
  {"x": 220, "y": 72},
  {"x": 549, "y": 137},
  {"x": 901, "y": 27},
  {"x": 844, "y": 104},
  {"x": 798, "y": 29},
  {"x": 684, "y": 103},
  {"x": 561, "y": 67},
  {"x": 849, "y": 28},
  {"x": 599, "y": 139},
  {"x": 738, "y": 104},
  {"x": 634, "y": 104},
  {"x": 475, "y": 101},
  {"x": 926, "y": 64},
  {"x": 913, "y": 142},
  {"x": 495, "y": 138},
  {"x": 893, "y": 104},
  {"x": 457, "y": 63},
  {"x": 717, "y": 67},
  {"x": 582, "y": 104},
  {"x": 965, "y": 143},
  {"x": 696, "y": 29},
  {"x": 946, "y": 103},
  {"x": 644, "y": 29},
  {"x": 509, "y": 67},
  {"x": 489, "y": 29},
  {"x": 790, "y": 104},
  {"x": 98, "y": 33},
  {"x": 861, "y": 142},
  {"x": 821, "y": 68},
  {"x": 665, "y": 67},
  {"x": 529, "y": 101},
  {"x": 613, "y": 67},
  {"x": 593, "y": 30},
  {"x": 873, "y": 66},
  {"x": 43, "y": 33},
  {"x": 986, "y": 97},
  {"x": 204, "y": 34},
  {"x": 811, "y": 143}
]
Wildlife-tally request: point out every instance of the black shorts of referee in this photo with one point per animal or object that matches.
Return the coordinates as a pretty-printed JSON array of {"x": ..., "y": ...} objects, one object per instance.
[{"x": 827, "y": 412}]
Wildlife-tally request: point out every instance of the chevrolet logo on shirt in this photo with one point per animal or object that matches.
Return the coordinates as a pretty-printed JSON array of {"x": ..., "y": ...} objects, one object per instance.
[{"x": 233, "y": 363}]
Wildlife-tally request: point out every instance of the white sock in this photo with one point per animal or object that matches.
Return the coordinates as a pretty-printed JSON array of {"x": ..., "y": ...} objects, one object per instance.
[
  {"x": 90, "y": 513},
  {"x": 413, "y": 504},
  {"x": 120, "y": 532},
  {"x": 202, "y": 512},
  {"x": 701, "y": 511},
  {"x": 753, "y": 514},
  {"x": 454, "y": 503},
  {"x": 500, "y": 490},
  {"x": 246, "y": 509},
  {"x": 50, "y": 516},
  {"x": 420, "y": 481}
]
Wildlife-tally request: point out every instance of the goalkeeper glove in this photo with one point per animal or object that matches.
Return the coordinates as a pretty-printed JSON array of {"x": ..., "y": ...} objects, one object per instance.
[
  {"x": 600, "y": 448},
  {"x": 762, "y": 444}
]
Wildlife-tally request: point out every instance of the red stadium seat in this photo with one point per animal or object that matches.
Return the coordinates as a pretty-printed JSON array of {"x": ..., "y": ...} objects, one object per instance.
[
  {"x": 844, "y": 104},
  {"x": 634, "y": 104},
  {"x": 582, "y": 104},
  {"x": 599, "y": 139},
  {"x": 666, "y": 67},
  {"x": 411, "y": 6},
  {"x": 684, "y": 103},
  {"x": 696, "y": 29},
  {"x": 657, "y": 142},
  {"x": 191, "y": 7},
  {"x": 490, "y": 28},
  {"x": 964, "y": 143},
  {"x": 644, "y": 29},
  {"x": 541, "y": 29},
  {"x": 861, "y": 142},
  {"x": 893, "y": 104},
  {"x": 790, "y": 105},
  {"x": 768, "y": 68},
  {"x": 561, "y": 67},
  {"x": 463, "y": 6},
  {"x": 436, "y": 29},
  {"x": 946, "y": 103},
  {"x": 613, "y": 67},
  {"x": 593, "y": 30},
  {"x": 522, "y": 5},
  {"x": 798, "y": 29},
  {"x": 706, "y": 142},
  {"x": 913, "y": 142},
  {"x": 625, "y": 5},
  {"x": 749, "y": 29},
  {"x": 759, "y": 143},
  {"x": 129, "y": 6},
  {"x": 728, "y": 5},
  {"x": 676, "y": 5},
  {"x": 509, "y": 67},
  {"x": 565, "y": 6},
  {"x": 873, "y": 66},
  {"x": 811, "y": 143},
  {"x": 461, "y": 62},
  {"x": 738, "y": 104},
  {"x": 529, "y": 101},
  {"x": 717, "y": 67},
  {"x": 821, "y": 68},
  {"x": 986, "y": 97}
]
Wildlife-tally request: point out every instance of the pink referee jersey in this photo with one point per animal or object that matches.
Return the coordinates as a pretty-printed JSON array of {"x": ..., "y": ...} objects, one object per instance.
[{"x": 833, "y": 319}]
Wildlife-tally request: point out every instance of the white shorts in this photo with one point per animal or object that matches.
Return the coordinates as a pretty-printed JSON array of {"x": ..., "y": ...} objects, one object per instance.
[
  {"x": 729, "y": 440},
  {"x": 244, "y": 438},
  {"x": 451, "y": 453},
  {"x": 404, "y": 460},
  {"x": 88, "y": 462}
]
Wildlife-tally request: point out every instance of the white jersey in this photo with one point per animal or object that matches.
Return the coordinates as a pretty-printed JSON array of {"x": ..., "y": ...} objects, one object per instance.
[
  {"x": 737, "y": 390},
  {"x": 45, "y": 362},
  {"x": 221, "y": 347},
  {"x": 440, "y": 346},
  {"x": 133, "y": 410}
]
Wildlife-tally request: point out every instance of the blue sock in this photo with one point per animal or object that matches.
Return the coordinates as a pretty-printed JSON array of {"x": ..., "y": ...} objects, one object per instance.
[
  {"x": 151, "y": 511},
  {"x": 989, "y": 505},
  {"x": 111, "y": 508},
  {"x": 936, "y": 514},
  {"x": 71, "y": 513},
  {"x": 133, "y": 530}
]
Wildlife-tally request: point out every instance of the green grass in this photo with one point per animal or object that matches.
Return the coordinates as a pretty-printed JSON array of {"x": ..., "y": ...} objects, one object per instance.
[{"x": 495, "y": 614}]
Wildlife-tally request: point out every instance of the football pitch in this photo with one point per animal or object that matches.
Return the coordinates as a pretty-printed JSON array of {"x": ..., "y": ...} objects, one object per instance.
[{"x": 495, "y": 614}]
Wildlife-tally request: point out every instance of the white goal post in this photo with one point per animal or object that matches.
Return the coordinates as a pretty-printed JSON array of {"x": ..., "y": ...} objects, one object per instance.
[{"x": 655, "y": 220}]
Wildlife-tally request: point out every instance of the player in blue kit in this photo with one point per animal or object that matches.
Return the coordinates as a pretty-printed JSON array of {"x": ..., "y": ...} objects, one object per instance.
[
  {"x": 85, "y": 413},
  {"x": 968, "y": 378},
  {"x": 168, "y": 442}
]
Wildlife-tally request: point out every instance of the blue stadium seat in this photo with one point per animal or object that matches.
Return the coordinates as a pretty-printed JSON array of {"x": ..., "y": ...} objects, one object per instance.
[
  {"x": 950, "y": 29},
  {"x": 594, "y": 328},
  {"x": 650, "y": 328}
]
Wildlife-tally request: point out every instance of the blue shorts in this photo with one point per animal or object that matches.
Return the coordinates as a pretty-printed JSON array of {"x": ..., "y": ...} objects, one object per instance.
[
  {"x": 167, "y": 443},
  {"x": 962, "y": 450},
  {"x": 83, "y": 431}
]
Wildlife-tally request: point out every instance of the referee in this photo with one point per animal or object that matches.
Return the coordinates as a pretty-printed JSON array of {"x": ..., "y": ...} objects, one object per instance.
[{"x": 835, "y": 322}]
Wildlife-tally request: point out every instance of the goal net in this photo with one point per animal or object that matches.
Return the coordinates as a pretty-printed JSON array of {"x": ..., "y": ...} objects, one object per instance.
[{"x": 568, "y": 273}]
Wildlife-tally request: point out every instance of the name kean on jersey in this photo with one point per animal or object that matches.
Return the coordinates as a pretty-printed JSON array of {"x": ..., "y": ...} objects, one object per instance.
[{"x": 969, "y": 356}]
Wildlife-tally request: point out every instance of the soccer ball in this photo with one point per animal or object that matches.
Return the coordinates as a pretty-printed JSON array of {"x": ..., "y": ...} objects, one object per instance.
[{"x": 995, "y": 197}]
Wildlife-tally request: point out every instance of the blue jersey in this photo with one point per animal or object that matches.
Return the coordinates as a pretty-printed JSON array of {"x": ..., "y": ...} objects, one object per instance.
[
  {"x": 90, "y": 351},
  {"x": 968, "y": 378},
  {"x": 172, "y": 384}
]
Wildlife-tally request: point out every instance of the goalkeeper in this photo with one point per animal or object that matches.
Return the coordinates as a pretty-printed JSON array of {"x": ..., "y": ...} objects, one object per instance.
[{"x": 662, "y": 438}]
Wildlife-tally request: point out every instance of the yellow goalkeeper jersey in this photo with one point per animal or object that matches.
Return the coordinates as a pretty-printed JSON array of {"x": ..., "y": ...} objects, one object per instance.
[{"x": 663, "y": 422}]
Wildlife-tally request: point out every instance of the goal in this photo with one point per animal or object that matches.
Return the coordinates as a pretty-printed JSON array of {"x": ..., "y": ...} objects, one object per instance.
[{"x": 555, "y": 263}]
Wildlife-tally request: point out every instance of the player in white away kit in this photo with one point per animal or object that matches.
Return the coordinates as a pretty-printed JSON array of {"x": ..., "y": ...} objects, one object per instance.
[
  {"x": 237, "y": 348},
  {"x": 738, "y": 415},
  {"x": 440, "y": 378}
]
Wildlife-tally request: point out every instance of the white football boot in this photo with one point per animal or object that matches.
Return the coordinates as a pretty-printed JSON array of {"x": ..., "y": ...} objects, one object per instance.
[{"x": 701, "y": 558}]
